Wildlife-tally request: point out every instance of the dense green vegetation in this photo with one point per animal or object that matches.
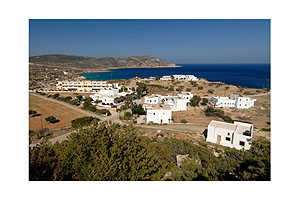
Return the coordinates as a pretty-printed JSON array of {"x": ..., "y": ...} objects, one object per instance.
[
  {"x": 83, "y": 121},
  {"x": 211, "y": 111},
  {"x": 194, "y": 101},
  {"x": 117, "y": 152},
  {"x": 138, "y": 109}
]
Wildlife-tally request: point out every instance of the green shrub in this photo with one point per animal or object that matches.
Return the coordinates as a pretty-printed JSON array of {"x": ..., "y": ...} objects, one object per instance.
[
  {"x": 210, "y": 91},
  {"x": 200, "y": 88},
  {"x": 31, "y": 112},
  {"x": 227, "y": 118},
  {"x": 103, "y": 112},
  {"x": 195, "y": 101},
  {"x": 83, "y": 121},
  {"x": 51, "y": 119},
  {"x": 204, "y": 102},
  {"x": 227, "y": 87},
  {"x": 127, "y": 116},
  {"x": 138, "y": 109},
  {"x": 183, "y": 121}
]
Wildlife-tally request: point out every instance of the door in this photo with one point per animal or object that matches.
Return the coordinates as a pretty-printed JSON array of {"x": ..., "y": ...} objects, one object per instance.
[{"x": 218, "y": 139}]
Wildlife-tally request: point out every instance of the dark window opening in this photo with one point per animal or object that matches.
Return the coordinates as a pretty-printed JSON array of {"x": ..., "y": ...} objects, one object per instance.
[
  {"x": 242, "y": 143},
  {"x": 228, "y": 138}
]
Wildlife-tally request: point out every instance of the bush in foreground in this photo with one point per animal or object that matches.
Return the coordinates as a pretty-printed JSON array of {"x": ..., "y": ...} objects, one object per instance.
[{"x": 116, "y": 152}]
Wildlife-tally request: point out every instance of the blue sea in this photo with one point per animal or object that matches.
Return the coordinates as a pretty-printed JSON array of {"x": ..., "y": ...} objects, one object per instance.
[{"x": 246, "y": 75}]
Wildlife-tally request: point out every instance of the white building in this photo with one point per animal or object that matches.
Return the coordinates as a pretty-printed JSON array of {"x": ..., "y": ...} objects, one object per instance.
[
  {"x": 153, "y": 99},
  {"x": 159, "y": 114},
  {"x": 177, "y": 103},
  {"x": 108, "y": 91},
  {"x": 185, "y": 77},
  {"x": 166, "y": 78},
  {"x": 233, "y": 101},
  {"x": 186, "y": 95},
  {"x": 230, "y": 135},
  {"x": 191, "y": 77},
  {"x": 86, "y": 85}
]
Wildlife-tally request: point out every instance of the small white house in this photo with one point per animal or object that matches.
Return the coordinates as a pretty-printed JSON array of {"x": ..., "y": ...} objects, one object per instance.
[
  {"x": 153, "y": 99},
  {"x": 159, "y": 114},
  {"x": 186, "y": 95},
  {"x": 166, "y": 78},
  {"x": 233, "y": 101},
  {"x": 230, "y": 135},
  {"x": 191, "y": 77}
]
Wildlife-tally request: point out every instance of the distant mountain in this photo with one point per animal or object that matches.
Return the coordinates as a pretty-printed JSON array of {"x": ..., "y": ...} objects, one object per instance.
[{"x": 98, "y": 63}]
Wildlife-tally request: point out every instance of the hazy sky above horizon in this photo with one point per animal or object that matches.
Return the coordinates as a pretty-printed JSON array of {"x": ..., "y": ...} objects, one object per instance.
[{"x": 179, "y": 41}]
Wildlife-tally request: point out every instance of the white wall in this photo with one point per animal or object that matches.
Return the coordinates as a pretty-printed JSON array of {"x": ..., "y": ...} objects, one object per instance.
[
  {"x": 152, "y": 100},
  {"x": 159, "y": 116}
]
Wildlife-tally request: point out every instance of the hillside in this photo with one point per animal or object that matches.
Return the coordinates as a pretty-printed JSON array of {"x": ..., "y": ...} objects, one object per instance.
[{"x": 82, "y": 62}]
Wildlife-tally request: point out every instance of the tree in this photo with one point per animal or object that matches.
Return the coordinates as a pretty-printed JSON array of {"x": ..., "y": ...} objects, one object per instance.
[
  {"x": 103, "y": 112},
  {"x": 138, "y": 109},
  {"x": 200, "y": 88},
  {"x": 127, "y": 116},
  {"x": 210, "y": 91},
  {"x": 55, "y": 96},
  {"x": 83, "y": 121},
  {"x": 32, "y": 112},
  {"x": 188, "y": 89},
  {"x": 51, "y": 119},
  {"x": 204, "y": 101},
  {"x": 195, "y": 101}
]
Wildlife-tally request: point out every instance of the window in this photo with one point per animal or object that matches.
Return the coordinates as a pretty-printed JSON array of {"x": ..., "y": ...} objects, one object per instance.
[
  {"x": 240, "y": 104},
  {"x": 245, "y": 104},
  {"x": 228, "y": 134},
  {"x": 246, "y": 99},
  {"x": 153, "y": 113},
  {"x": 242, "y": 143},
  {"x": 228, "y": 138}
]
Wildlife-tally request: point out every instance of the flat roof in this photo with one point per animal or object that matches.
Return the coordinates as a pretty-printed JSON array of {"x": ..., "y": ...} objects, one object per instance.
[
  {"x": 223, "y": 125},
  {"x": 161, "y": 107}
]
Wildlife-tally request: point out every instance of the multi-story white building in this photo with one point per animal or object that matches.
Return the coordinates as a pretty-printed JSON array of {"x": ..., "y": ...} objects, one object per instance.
[
  {"x": 233, "y": 101},
  {"x": 159, "y": 114},
  {"x": 85, "y": 86},
  {"x": 230, "y": 135}
]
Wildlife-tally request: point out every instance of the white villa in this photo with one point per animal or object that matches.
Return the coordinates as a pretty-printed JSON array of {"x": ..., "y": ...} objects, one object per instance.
[
  {"x": 179, "y": 77},
  {"x": 107, "y": 95},
  {"x": 85, "y": 85},
  {"x": 177, "y": 103},
  {"x": 233, "y": 101},
  {"x": 166, "y": 78},
  {"x": 159, "y": 114},
  {"x": 186, "y": 77},
  {"x": 160, "y": 107},
  {"x": 230, "y": 135}
]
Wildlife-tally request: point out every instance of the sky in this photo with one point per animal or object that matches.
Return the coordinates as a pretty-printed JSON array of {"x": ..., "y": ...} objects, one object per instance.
[{"x": 179, "y": 41}]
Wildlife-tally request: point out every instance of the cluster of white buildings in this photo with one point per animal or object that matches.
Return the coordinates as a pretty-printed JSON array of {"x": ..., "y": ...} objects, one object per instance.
[
  {"x": 107, "y": 95},
  {"x": 86, "y": 85},
  {"x": 233, "y": 101},
  {"x": 179, "y": 77},
  {"x": 160, "y": 107},
  {"x": 234, "y": 135}
]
